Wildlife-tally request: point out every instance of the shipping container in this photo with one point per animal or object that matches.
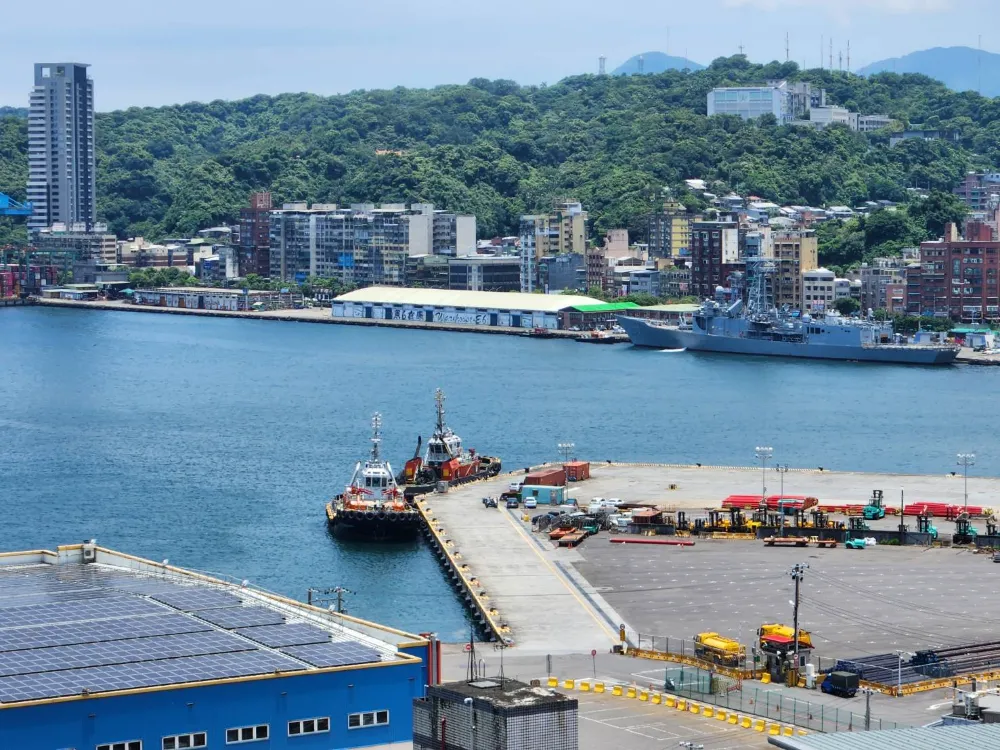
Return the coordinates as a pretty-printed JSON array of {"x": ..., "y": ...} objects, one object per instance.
[
  {"x": 550, "y": 477},
  {"x": 577, "y": 471}
]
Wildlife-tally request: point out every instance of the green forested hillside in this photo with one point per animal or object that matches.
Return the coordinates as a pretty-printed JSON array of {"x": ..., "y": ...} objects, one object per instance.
[{"x": 498, "y": 149}]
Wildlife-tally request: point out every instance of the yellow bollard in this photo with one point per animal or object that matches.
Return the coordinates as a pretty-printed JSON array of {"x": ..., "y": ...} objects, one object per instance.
[
  {"x": 553, "y": 682},
  {"x": 630, "y": 693},
  {"x": 695, "y": 708},
  {"x": 616, "y": 690},
  {"x": 584, "y": 687},
  {"x": 644, "y": 695},
  {"x": 656, "y": 699},
  {"x": 670, "y": 702},
  {"x": 569, "y": 684},
  {"x": 765, "y": 678},
  {"x": 774, "y": 730},
  {"x": 789, "y": 732},
  {"x": 720, "y": 715},
  {"x": 745, "y": 722},
  {"x": 598, "y": 687}
]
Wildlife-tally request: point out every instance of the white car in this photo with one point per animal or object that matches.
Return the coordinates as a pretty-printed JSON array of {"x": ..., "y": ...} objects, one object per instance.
[
  {"x": 531, "y": 503},
  {"x": 515, "y": 486}
]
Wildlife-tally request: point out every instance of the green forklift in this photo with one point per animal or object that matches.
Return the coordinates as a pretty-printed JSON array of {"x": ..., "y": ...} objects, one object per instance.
[{"x": 875, "y": 510}]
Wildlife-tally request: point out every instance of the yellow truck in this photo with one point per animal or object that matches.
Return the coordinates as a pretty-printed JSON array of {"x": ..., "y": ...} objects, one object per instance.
[
  {"x": 777, "y": 637},
  {"x": 718, "y": 649}
]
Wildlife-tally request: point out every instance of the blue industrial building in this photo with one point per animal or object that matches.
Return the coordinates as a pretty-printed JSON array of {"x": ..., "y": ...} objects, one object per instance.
[{"x": 103, "y": 651}]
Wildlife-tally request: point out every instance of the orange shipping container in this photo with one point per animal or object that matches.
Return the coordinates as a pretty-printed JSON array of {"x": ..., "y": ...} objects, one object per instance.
[
  {"x": 547, "y": 478},
  {"x": 577, "y": 470}
]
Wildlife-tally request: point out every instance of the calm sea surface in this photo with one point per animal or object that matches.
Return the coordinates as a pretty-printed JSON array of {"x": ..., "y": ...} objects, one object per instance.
[{"x": 215, "y": 443}]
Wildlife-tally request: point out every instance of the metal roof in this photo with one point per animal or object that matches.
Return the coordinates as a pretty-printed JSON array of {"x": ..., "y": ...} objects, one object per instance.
[
  {"x": 398, "y": 295},
  {"x": 914, "y": 738},
  {"x": 606, "y": 307},
  {"x": 77, "y": 627}
]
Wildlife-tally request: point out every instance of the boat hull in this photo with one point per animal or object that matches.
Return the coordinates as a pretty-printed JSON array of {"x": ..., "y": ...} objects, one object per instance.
[
  {"x": 642, "y": 333},
  {"x": 372, "y": 524}
]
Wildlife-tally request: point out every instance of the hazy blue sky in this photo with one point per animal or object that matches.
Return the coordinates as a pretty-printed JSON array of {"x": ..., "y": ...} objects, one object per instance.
[{"x": 150, "y": 53}]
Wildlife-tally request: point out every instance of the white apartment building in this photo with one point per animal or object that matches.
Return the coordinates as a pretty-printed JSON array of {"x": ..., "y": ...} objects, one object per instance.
[
  {"x": 818, "y": 290},
  {"x": 751, "y": 102}
]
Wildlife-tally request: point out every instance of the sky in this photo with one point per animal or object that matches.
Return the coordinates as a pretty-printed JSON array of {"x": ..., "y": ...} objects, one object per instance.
[{"x": 155, "y": 53}]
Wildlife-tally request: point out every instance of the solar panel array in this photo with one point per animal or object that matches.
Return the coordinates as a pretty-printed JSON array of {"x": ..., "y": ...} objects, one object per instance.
[
  {"x": 144, "y": 674},
  {"x": 195, "y": 599},
  {"x": 289, "y": 634},
  {"x": 339, "y": 654},
  {"x": 128, "y": 651},
  {"x": 241, "y": 617},
  {"x": 68, "y": 629}
]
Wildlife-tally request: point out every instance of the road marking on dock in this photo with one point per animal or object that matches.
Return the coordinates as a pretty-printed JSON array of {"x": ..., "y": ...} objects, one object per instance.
[{"x": 520, "y": 530}]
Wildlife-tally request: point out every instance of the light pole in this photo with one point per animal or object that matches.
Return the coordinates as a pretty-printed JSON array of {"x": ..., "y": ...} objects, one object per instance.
[
  {"x": 965, "y": 460},
  {"x": 782, "y": 469},
  {"x": 900, "y": 653},
  {"x": 868, "y": 705},
  {"x": 566, "y": 449},
  {"x": 763, "y": 452}
]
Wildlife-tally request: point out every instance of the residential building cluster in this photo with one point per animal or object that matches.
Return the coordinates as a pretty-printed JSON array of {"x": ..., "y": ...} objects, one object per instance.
[{"x": 791, "y": 103}]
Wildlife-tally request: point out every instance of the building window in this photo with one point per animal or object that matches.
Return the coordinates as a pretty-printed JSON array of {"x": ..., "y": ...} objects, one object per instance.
[
  {"x": 127, "y": 745},
  {"x": 247, "y": 734},
  {"x": 367, "y": 719},
  {"x": 178, "y": 741},
  {"x": 309, "y": 726}
]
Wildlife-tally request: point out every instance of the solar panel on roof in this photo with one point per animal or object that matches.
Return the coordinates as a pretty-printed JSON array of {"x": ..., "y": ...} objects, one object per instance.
[
  {"x": 289, "y": 634},
  {"x": 104, "y": 630},
  {"x": 133, "y": 650},
  {"x": 76, "y": 611},
  {"x": 339, "y": 654},
  {"x": 193, "y": 599},
  {"x": 240, "y": 617},
  {"x": 147, "y": 674}
]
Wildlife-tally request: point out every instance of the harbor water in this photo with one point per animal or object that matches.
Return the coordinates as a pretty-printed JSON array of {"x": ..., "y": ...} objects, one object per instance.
[{"x": 215, "y": 442}]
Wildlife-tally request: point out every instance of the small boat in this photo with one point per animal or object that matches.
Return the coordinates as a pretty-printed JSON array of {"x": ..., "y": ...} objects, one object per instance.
[
  {"x": 602, "y": 337},
  {"x": 372, "y": 506}
]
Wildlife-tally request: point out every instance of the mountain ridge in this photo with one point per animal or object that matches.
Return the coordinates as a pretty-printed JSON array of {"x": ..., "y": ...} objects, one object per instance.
[
  {"x": 958, "y": 68},
  {"x": 655, "y": 62}
]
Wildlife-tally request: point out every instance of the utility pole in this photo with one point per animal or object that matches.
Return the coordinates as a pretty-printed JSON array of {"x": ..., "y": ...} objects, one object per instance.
[
  {"x": 965, "y": 460},
  {"x": 786, "y": 47},
  {"x": 763, "y": 452},
  {"x": 868, "y": 706},
  {"x": 782, "y": 469},
  {"x": 798, "y": 572},
  {"x": 337, "y": 592},
  {"x": 831, "y": 53},
  {"x": 822, "y": 44}
]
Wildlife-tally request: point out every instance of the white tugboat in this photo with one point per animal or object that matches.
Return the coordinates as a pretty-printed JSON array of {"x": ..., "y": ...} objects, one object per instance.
[{"x": 372, "y": 506}]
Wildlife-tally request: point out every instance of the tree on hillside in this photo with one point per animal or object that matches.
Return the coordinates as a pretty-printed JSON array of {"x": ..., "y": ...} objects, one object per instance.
[{"x": 936, "y": 210}]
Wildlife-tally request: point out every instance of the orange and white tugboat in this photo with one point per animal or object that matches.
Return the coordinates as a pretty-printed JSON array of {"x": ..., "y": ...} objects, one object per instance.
[
  {"x": 372, "y": 506},
  {"x": 445, "y": 460}
]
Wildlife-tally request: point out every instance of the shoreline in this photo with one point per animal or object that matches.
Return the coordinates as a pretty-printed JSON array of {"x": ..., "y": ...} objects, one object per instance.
[{"x": 324, "y": 315}]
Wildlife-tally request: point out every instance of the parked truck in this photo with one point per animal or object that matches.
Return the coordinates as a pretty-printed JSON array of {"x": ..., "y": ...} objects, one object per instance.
[
  {"x": 844, "y": 684},
  {"x": 778, "y": 637},
  {"x": 718, "y": 649}
]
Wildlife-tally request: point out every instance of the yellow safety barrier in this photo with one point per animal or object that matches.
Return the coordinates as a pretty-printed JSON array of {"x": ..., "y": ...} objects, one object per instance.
[
  {"x": 708, "y": 711},
  {"x": 670, "y": 702},
  {"x": 803, "y": 733},
  {"x": 656, "y": 699},
  {"x": 644, "y": 695},
  {"x": 745, "y": 722},
  {"x": 598, "y": 687},
  {"x": 616, "y": 690},
  {"x": 682, "y": 705},
  {"x": 553, "y": 682},
  {"x": 733, "y": 719},
  {"x": 788, "y": 732},
  {"x": 758, "y": 726},
  {"x": 720, "y": 715},
  {"x": 630, "y": 693},
  {"x": 569, "y": 684},
  {"x": 774, "y": 729},
  {"x": 695, "y": 708},
  {"x": 765, "y": 678},
  {"x": 584, "y": 687}
]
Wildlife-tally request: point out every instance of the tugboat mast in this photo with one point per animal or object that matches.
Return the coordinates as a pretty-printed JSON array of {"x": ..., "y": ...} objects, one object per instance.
[
  {"x": 376, "y": 435},
  {"x": 439, "y": 399}
]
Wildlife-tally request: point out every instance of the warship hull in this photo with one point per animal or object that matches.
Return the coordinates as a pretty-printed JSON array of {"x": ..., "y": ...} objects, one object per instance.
[{"x": 645, "y": 334}]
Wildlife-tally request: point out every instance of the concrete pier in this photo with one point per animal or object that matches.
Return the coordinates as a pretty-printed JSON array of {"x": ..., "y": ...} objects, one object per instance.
[{"x": 542, "y": 604}]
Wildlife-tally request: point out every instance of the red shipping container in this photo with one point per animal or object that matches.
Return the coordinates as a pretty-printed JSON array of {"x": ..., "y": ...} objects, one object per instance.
[
  {"x": 547, "y": 478},
  {"x": 577, "y": 470}
]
